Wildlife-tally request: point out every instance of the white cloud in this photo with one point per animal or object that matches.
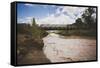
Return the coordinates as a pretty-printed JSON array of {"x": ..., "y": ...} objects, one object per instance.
[
  {"x": 58, "y": 10},
  {"x": 72, "y": 13},
  {"x": 27, "y": 20},
  {"x": 31, "y": 5},
  {"x": 52, "y": 19},
  {"x": 94, "y": 15},
  {"x": 35, "y": 5},
  {"x": 63, "y": 15},
  {"x": 20, "y": 20}
]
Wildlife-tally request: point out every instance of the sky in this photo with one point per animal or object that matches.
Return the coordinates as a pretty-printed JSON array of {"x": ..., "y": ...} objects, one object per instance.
[{"x": 48, "y": 14}]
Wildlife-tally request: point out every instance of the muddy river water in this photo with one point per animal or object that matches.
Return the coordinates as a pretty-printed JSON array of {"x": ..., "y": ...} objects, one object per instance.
[{"x": 59, "y": 49}]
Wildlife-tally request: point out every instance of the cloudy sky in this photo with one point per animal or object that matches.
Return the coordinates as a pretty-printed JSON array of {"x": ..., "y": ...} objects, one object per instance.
[{"x": 48, "y": 14}]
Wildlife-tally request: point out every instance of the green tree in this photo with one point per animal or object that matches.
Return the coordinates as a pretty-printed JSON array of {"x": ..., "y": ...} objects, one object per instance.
[
  {"x": 33, "y": 22},
  {"x": 78, "y": 21},
  {"x": 87, "y": 16},
  {"x": 35, "y": 30}
]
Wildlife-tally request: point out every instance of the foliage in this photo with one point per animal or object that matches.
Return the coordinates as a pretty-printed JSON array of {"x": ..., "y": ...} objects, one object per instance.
[
  {"x": 87, "y": 17},
  {"x": 84, "y": 26},
  {"x": 37, "y": 32},
  {"x": 29, "y": 37}
]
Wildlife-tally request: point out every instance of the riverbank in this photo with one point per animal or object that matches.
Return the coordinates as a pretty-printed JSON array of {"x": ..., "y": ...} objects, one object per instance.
[
  {"x": 29, "y": 50},
  {"x": 78, "y": 37}
]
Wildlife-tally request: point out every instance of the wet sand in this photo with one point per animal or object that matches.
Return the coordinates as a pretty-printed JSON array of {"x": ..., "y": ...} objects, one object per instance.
[{"x": 60, "y": 49}]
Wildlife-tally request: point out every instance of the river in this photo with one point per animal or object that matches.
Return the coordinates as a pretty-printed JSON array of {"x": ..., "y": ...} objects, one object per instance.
[{"x": 59, "y": 49}]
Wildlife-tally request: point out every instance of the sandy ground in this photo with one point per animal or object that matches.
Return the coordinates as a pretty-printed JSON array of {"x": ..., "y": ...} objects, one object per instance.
[{"x": 59, "y": 49}]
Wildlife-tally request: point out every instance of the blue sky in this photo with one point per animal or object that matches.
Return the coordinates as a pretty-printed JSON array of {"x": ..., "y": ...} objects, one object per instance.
[
  {"x": 33, "y": 10},
  {"x": 48, "y": 14}
]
